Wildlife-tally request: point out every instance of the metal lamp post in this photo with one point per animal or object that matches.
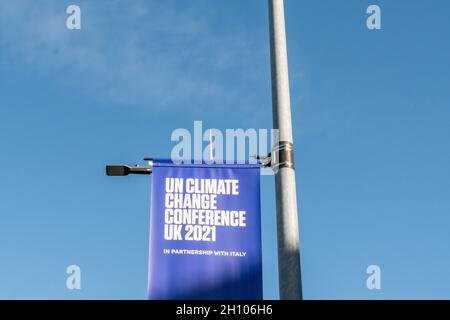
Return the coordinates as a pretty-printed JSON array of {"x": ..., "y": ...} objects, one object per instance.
[{"x": 283, "y": 164}]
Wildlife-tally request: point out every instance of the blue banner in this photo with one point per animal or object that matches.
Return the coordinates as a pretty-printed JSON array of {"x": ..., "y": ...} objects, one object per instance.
[{"x": 205, "y": 232}]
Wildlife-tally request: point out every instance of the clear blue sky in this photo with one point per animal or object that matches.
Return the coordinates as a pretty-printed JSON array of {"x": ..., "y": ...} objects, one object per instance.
[{"x": 371, "y": 114}]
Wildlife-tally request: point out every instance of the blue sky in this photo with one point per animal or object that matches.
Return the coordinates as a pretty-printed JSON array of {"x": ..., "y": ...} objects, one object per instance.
[{"x": 371, "y": 126}]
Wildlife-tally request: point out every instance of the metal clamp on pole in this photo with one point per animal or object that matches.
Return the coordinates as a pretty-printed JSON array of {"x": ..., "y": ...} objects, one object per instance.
[{"x": 283, "y": 156}]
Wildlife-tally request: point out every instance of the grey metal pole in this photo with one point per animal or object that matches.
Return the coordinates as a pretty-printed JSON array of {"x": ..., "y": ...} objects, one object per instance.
[{"x": 286, "y": 198}]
